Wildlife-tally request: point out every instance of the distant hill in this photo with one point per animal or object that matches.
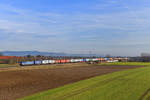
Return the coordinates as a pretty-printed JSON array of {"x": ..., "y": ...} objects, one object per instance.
[{"x": 34, "y": 53}]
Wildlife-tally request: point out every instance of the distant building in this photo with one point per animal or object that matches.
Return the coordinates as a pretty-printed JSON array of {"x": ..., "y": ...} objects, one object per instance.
[
  {"x": 145, "y": 54},
  {"x": 139, "y": 59}
]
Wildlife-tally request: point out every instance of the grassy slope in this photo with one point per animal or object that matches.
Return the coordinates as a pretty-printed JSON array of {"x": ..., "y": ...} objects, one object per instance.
[{"x": 123, "y": 85}]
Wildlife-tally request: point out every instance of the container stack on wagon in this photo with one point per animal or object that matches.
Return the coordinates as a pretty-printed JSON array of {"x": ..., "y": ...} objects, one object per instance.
[{"x": 63, "y": 61}]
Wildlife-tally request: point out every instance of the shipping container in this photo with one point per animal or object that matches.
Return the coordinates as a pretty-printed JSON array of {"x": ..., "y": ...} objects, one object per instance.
[
  {"x": 63, "y": 61},
  {"x": 106, "y": 59},
  {"x": 72, "y": 60},
  {"x": 51, "y": 61},
  {"x": 94, "y": 59},
  {"x": 37, "y": 62},
  {"x": 67, "y": 60},
  {"x": 87, "y": 60},
  {"x": 80, "y": 60},
  {"x": 99, "y": 59},
  {"x": 111, "y": 58},
  {"x": 58, "y": 61},
  {"x": 77, "y": 60},
  {"x": 45, "y": 62},
  {"x": 102, "y": 59},
  {"x": 84, "y": 60}
]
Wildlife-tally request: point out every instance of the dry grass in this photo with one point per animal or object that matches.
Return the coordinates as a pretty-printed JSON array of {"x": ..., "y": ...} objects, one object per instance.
[{"x": 17, "y": 67}]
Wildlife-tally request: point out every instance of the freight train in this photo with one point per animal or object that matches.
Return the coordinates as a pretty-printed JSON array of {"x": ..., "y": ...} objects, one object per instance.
[{"x": 62, "y": 61}]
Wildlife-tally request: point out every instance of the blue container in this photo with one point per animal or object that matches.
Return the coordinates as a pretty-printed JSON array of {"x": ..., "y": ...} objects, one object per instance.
[
  {"x": 27, "y": 63},
  {"x": 38, "y": 62},
  {"x": 107, "y": 59},
  {"x": 84, "y": 60}
]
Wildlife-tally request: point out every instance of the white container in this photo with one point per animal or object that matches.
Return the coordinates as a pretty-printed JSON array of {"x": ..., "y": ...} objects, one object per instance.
[
  {"x": 51, "y": 61},
  {"x": 45, "y": 61},
  {"x": 94, "y": 59},
  {"x": 87, "y": 59},
  {"x": 72, "y": 60}
]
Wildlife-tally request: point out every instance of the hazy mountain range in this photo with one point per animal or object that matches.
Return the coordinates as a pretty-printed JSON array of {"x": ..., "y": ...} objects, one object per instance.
[{"x": 34, "y": 53}]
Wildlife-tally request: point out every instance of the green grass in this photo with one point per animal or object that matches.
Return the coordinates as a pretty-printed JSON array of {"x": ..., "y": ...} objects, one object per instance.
[
  {"x": 8, "y": 65},
  {"x": 128, "y": 63},
  {"x": 124, "y": 85}
]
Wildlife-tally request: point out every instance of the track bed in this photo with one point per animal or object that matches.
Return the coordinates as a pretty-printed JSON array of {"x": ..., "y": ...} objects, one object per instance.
[{"x": 19, "y": 83}]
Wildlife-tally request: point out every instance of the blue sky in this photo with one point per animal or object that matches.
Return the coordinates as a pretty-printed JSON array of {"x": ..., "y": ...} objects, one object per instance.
[{"x": 116, "y": 27}]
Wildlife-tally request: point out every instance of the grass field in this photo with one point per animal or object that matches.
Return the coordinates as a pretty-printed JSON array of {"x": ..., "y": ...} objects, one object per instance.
[
  {"x": 131, "y": 84},
  {"x": 127, "y": 63}
]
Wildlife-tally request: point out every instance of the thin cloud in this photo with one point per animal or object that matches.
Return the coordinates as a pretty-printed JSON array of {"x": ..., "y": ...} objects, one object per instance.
[{"x": 82, "y": 30}]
